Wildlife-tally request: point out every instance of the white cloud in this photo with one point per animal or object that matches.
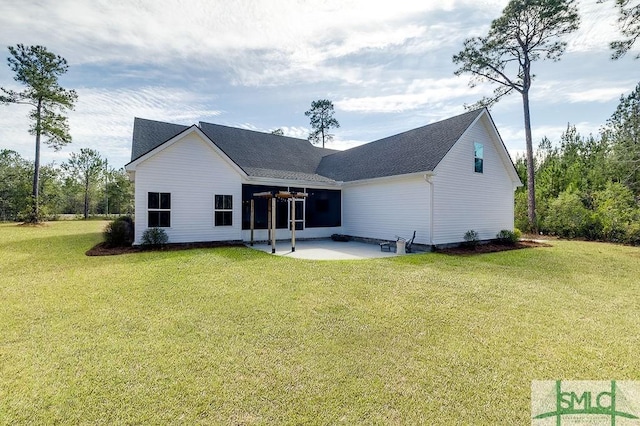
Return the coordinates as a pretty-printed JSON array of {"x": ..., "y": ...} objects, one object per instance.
[
  {"x": 342, "y": 144},
  {"x": 416, "y": 94},
  {"x": 580, "y": 90},
  {"x": 103, "y": 119},
  {"x": 261, "y": 42},
  {"x": 598, "y": 27}
]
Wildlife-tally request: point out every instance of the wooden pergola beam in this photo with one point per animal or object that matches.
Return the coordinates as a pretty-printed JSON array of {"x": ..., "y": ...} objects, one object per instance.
[{"x": 271, "y": 214}]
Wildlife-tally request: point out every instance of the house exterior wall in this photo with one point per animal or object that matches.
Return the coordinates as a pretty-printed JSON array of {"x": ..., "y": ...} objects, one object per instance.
[
  {"x": 464, "y": 199},
  {"x": 193, "y": 172},
  {"x": 386, "y": 208}
]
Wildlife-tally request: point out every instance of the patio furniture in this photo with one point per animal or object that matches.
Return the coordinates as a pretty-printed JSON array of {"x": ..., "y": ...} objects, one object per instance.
[
  {"x": 389, "y": 245},
  {"x": 393, "y": 245},
  {"x": 409, "y": 244}
]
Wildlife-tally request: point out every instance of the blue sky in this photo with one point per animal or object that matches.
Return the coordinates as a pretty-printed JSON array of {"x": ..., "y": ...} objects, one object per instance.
[{"x": 258, "y": 65}]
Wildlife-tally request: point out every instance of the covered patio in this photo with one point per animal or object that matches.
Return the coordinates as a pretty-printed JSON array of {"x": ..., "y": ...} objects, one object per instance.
[{"x": 325, "y": 250}]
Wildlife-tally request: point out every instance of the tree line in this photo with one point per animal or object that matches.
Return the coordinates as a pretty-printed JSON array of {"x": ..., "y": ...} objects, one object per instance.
[
  {"x": 84, "y": 185},
  {"x": 528, "y": 31},
  {"x": 589, "y": 186}
]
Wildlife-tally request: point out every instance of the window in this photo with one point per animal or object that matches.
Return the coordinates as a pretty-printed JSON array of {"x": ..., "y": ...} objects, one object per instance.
[
  {"x": 223, "y": 214},
  {"x": 261, "y": 207},
  {"x": 478, "y": 157},
  {"x": 323, "y": 208},
  {"x": 159, "y": 209}
]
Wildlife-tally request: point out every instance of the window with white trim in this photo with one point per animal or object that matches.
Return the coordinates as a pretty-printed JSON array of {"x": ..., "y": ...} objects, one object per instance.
[
  {"x": 159, "y": 209},
  {"x": 223, "y": 210},
  {"x": 478, "y": 154}
]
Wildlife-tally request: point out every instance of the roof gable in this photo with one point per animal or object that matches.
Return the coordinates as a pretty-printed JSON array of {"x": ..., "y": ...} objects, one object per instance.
[
  {"x": 131, "y": 166},
  {"x": 148, "y": 134},
  {"x": 413, "y": 151}
]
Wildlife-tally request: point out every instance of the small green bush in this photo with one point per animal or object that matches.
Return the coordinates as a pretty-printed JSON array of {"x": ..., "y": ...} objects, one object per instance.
[
  {"x": 119, "y": 233},
  {"x": 517, "y": 233},
  {"x": 471, "y": 238},
  {"x": 29, "y": 215},
  {"x": 154, "y": 237},
  {"x": 633, "y": 234},
  {"x": 507, "y": 237},
  {"x": 567, "y": 216}
]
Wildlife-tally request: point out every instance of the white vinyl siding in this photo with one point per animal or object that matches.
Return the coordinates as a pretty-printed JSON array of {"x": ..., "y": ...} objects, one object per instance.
[
  {"x": 386, "y": 208},
  {"x": 464, "y": 199},
  {"x": 193, "y": 172}
]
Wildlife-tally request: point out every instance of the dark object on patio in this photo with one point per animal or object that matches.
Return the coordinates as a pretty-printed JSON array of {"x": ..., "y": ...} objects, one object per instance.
[
  {"x": 393, "y": 245},
  {"x": 340, "y": 237},
  {"x": 388, "y": 245},
  {"x": 409, "y": 244}
]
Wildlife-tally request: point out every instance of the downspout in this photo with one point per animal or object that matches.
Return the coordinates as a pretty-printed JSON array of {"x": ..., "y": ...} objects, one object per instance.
[{"x": 428, "y": 177}]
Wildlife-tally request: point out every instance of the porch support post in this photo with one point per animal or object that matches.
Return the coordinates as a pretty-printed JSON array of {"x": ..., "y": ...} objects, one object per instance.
[
  {"x": 293, "y": 224},
  {"x": 252, "y": 220},
  {"x": 268, "y": 219},
  {"x": 273, "y": 225}
]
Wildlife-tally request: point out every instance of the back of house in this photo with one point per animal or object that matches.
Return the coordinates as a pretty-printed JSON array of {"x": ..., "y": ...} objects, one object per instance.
[{"x": 199, "y": 183}]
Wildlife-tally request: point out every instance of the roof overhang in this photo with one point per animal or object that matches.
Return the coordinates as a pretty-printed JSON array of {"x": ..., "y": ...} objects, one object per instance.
[
  {"x": 392, "y": 178},
  {"x": 257, "y": 180}
]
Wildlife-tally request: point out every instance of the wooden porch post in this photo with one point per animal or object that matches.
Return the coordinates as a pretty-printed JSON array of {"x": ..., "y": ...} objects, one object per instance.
[
  {"x": 269, "y": 219},
  {"x": 273, "y": 225},
  {"x": 293, "y": 224},
  {"x": 252, "y": 220}
]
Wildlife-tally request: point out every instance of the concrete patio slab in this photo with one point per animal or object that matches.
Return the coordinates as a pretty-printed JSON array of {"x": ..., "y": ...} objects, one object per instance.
[{"x": 325, "y": 250}]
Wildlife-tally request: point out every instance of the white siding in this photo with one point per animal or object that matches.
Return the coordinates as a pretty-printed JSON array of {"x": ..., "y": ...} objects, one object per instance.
[
  {"x": 467, "y": 200},
  {"x": 193, "y": 172},
  {"x": 384, "y": 209}
]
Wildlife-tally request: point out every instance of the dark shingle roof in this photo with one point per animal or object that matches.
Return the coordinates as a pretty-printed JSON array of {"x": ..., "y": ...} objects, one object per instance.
[
  {"x": 280, "y": 157},
  {"x": 264, "y": 151},
  {"x": 148, "y": 134},
  {"x": 285, "y": 174},
  {"x": 416, "y": 150}
]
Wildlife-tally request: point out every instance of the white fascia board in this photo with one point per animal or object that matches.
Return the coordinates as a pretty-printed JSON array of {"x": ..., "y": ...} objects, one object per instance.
[{"x": 389, "y": 178}]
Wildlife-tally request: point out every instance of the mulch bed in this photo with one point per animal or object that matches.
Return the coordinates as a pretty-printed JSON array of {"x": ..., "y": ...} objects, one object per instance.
[
  {"x": 102, "y": 249},
  {"x": 491, "y": 248}
]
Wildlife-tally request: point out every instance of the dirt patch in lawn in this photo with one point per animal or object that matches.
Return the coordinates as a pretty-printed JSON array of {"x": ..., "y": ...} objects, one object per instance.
[
  {"x": 102, "y": 249},
  {"x": 492, "y": 248}
]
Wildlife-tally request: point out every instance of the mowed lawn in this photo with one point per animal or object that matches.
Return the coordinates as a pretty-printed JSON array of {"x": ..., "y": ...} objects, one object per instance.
[{"x": 236, "y": 336}]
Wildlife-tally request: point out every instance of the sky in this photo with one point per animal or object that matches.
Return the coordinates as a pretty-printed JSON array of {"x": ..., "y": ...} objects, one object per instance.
[{"x": 386, "y": 66}]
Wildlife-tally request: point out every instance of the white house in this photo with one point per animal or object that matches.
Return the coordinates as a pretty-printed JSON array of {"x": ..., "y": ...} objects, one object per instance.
[{"x": 439, "y": 180}]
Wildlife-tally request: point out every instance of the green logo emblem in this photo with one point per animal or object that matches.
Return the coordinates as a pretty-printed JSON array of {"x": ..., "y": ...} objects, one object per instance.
[{"x": 585, "y": 402}]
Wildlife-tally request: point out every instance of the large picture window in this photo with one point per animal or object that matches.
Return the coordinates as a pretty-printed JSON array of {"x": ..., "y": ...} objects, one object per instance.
[
  {"x": 223, "y": 210},
  {"x": 159, "y": 209},
  {"x": 323, "y": 208},
  {"x": 478, "y": 153}
]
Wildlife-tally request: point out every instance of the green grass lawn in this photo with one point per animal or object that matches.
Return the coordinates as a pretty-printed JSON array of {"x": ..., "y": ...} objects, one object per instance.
[{"x": 236, "y": 336}]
